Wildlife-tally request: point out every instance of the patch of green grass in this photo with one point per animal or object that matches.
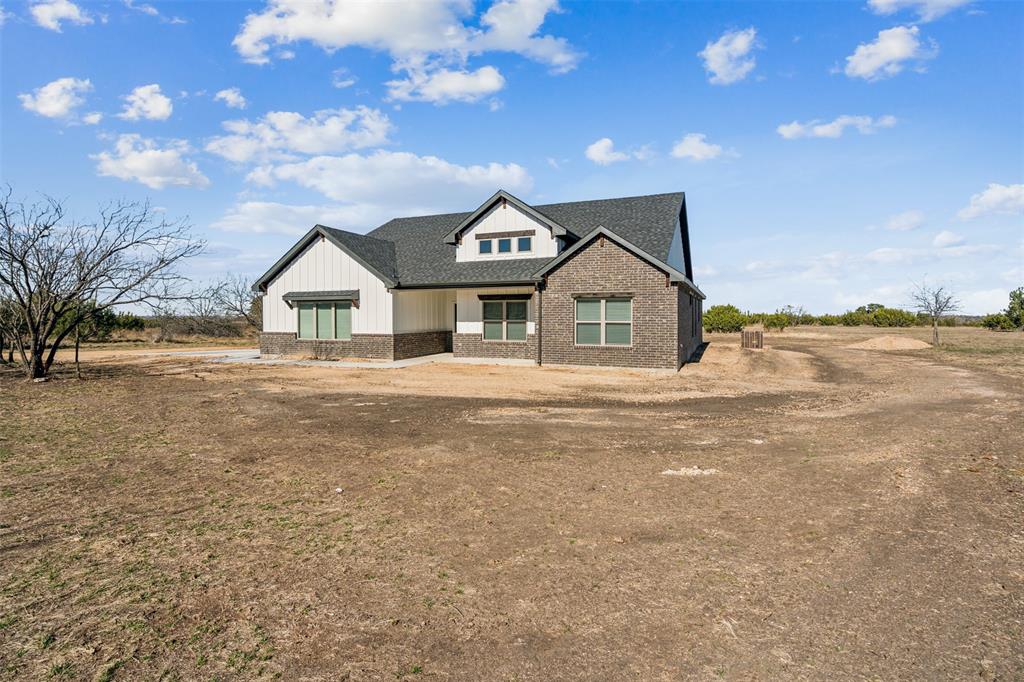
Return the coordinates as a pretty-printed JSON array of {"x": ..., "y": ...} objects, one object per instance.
[
  {"x": 63, "y": 670},
  {"x": 108, "y": 673},
  {"x": 47, "y": 640}
]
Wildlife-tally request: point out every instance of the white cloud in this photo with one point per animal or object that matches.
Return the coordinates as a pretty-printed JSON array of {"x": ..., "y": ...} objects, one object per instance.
[
  {"x": 231, "y": 97},
  {"x": 92, "y": 118},
  {"x": 146, "y": 101},
  {"x": 441, "y": 86},
  {"x": 693, "y": 146},
  {"x": 141, "y": 160},
  {"x": 400, "y": 181},
  {"x": 906, "y": 221},
  {"x": 728, "y": 59},
  {"x": 889, "y": 53},
  {"x": 984, "y": 301},
  {"x": 49, "y": 14},
  {"x": 267, "y": 217},
  {"x": 816, "y": 128},
  {"x": 57, "y": 99},
  {"x": 996, "y": 198},
  {"x": 946, "y": 238},
  {"x": 425, "y": 38},
  {"x": 281, "y": 133},
  {"x": 927, "y": 10},
  {"x": 343, "y": 78},
  {"x": 603, "y": 152},
  {"x": 144, "y": 8}
]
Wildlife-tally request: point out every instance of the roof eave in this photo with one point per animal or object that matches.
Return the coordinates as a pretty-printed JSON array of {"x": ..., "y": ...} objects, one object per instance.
[
  {"x": 260, "y": 285},
  {"x": 556, "y": 229},
  {"x": 673, "y": 274}
]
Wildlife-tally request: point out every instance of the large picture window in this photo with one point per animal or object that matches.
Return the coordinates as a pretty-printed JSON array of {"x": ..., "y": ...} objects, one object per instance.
[
  {"x": 504, "y": 320},
  {"x": 604, "y": 322},
  {"x": 325, "y": 320}
]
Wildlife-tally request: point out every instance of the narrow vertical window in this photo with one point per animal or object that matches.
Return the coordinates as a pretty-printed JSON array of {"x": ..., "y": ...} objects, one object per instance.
[
  {"x": 515, "y": 324},
  {"x": 307, "y": 321},
  {"x": 343, "y": 321},
  {"x": 324, "y": 321},
  {"x": 493, "y": 320}
]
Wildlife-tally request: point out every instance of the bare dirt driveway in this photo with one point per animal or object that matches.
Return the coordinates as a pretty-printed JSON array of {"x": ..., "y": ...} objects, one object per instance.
[{"x": 829, "y": 512}]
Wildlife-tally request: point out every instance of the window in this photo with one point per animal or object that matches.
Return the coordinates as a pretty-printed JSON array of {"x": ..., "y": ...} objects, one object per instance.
[
  {"x": 485, "y": 245},
  {"x": 524, "y": 244},
  {"x": 325, "y": 320},
  {"x": 504, "y": 320},
  {"x": 604, "y": 321},
  {"x": 504, "y": 246}
]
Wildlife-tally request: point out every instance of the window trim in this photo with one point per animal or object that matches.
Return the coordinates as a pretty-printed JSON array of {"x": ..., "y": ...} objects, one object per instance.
[
  {"x": 602, "y": 322},
  {"x": 316, "y": 322},
  {"x": 505, "y": 320}
]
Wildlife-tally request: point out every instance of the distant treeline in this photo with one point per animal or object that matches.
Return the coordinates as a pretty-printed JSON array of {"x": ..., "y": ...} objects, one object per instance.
[{"x": 729, "y": 318}]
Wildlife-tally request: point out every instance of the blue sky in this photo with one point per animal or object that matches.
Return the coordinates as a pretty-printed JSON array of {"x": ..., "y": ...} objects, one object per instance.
[{"x": 832, "y": 153}]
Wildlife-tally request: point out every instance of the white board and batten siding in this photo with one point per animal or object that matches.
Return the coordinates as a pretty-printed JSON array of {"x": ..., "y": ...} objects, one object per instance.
[
  {"x": 322, "y": 266},
  {"x": 425, "y": 310},
  {"x": 471, "y": 309},
  {"x": 505, "y": 218}
]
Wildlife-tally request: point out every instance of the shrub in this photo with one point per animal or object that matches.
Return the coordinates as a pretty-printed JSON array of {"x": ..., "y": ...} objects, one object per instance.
[
  {"x": 776, "y": 321},
  {"x": 998, "y": 322},
  {"x": 828, "y": 320},
  {"x": 854, "y": 318},
  {"x": 724, "y": 318},
  {"x": 893, "y": 317}
]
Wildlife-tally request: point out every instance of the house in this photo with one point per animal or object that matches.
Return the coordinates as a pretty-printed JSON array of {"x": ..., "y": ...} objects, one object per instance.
[{"x": 605, "y": 282}]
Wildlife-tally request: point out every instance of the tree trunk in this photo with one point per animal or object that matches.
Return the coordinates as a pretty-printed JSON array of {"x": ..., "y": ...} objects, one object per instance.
[
  {"x": 78, "y": 367},
  {"x": 935, "y": 332},
  {"x": 37, "y": 365}
]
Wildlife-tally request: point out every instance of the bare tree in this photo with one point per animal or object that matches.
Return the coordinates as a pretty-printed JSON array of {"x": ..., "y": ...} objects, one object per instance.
[
  {"x": 235, "y": 298},
  {"x": 934, "y": 302},
  {"x": 57, "y": 273}
]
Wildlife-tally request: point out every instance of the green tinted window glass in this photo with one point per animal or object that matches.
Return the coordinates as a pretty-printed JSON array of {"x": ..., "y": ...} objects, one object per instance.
[
  {"x": 588, "y": 309},
  {"x": 618, "y": 310},
  {"x": 307, "y": 327},
  {"x": 516, "y": 331},
  {"x": 617, "y": 334},
  {"x": 324, "y": 323},
  {"x": 515, "y": 310},
  {"x": 588, "y": 334},
  {"x": 492, "y": 310},
  {"x": 492, "y": 331},
  {"x": 343, "y": 321}
]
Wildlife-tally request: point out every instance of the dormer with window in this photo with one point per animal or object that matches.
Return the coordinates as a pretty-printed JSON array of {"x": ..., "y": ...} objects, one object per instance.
[{"x": 505, "y": 228}]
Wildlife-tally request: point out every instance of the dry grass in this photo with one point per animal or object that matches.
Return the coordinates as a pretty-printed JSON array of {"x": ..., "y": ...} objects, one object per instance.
[{"x": 175, "y": 519}]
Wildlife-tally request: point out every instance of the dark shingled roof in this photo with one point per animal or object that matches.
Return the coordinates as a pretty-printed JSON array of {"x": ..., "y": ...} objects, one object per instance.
[
  {"x": 378, "y": 253},
  {"x": 412, "y": 252},
  {"x": 419, "y": 256}
]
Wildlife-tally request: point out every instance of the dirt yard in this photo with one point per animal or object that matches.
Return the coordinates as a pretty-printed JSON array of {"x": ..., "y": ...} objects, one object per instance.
[{"x": 811, "y": 511}]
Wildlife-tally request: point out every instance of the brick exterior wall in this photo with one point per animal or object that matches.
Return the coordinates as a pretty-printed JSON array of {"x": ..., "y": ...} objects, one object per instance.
[
  {"x": 374, "y": 346},
  {"x": 474, "y": 346},
  {"x": 603, "y": 267},
  {"x": 415, "y": 344},
  {"x": 690, "y": 337}
]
